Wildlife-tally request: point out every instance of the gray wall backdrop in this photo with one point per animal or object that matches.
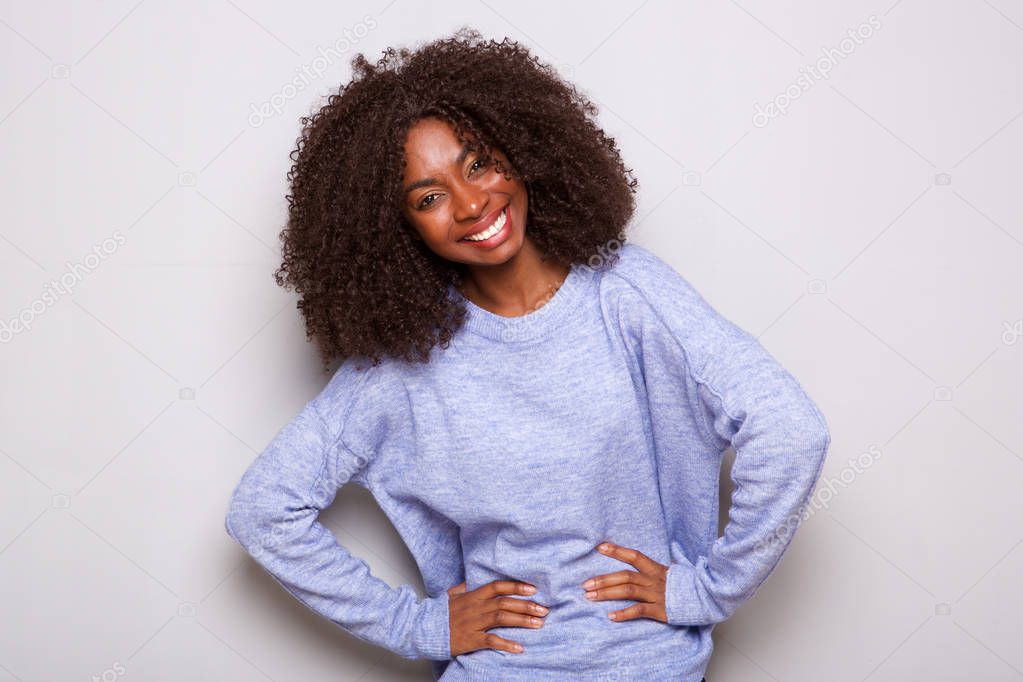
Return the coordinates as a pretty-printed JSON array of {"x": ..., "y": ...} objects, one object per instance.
[{"x": 842, "y": 179}]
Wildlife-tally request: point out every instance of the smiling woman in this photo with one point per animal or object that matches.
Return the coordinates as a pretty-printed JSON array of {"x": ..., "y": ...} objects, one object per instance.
[
  {"x": 458, "y": 187},
  {"x": 398, "y": 170},
  {"x": 553, "y": 466}
]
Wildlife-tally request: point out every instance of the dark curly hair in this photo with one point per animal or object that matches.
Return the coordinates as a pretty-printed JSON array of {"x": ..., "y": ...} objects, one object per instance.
[{"x": 369, "y": 286}]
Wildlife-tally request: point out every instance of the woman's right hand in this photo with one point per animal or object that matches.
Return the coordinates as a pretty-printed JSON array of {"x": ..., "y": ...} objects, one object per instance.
[{"x": 471, "y": 614}]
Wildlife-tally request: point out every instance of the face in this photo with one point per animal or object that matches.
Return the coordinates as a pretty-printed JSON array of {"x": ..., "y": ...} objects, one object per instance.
[{"x": 451, "y": 194}]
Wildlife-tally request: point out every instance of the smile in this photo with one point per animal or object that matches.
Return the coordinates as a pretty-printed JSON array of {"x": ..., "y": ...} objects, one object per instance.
[{"x": 494, "y": 229}]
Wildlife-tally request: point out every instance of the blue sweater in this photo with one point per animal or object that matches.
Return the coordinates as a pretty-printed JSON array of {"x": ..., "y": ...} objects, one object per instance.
[{"x": 602, "y": 415}]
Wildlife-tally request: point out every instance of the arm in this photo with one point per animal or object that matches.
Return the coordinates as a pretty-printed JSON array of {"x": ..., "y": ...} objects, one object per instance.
[
  {"x": 744, "y": 398},
  {"x": 273, "y": 514},
  {"x": 780, "y": 439}
]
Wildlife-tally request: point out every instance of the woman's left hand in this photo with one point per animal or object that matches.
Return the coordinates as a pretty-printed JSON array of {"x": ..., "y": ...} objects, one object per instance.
[{"x": 645, "y": 586}]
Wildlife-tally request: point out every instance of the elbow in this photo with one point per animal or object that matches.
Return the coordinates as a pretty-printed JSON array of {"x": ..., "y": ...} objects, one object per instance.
[
  {"x": 243, "y": 527},
  {"x": 254, "y": 526},
  {"x": 234, "y": 520},
  {"x": 814, "y": 434},
  {"x": 803, "y": 431},
  {"x": 818, "y": 440},
  {"x": 240, "y": 520},
  {"x": 810, "y": 437},
  {"x": 821, "y": 435},
  {"x": 816, "y": 443},
  {"x": 229, "y": 525}
]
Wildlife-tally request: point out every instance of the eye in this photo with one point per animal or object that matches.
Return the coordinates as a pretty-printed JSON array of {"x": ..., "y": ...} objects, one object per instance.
[
  {"x": 423, "y": 203},
  {"x": 479, "y": 161}
]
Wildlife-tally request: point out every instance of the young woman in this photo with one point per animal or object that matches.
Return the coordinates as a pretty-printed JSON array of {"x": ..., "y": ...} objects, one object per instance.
[{"x": 539, "y": 408}]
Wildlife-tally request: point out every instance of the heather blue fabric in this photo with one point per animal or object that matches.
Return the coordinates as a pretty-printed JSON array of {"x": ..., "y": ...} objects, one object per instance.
[{"x": 602, "y": 415}]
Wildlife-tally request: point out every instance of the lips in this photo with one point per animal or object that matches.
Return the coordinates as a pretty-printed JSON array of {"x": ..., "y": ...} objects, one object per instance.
[{"x": 483, "y": 223}]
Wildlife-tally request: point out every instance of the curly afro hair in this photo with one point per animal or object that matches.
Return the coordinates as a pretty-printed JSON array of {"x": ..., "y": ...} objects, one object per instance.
[{"x": 369, "y": 285}]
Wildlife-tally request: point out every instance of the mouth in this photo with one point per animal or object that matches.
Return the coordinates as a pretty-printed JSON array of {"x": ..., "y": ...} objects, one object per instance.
[{"x": 489, "y": 231}]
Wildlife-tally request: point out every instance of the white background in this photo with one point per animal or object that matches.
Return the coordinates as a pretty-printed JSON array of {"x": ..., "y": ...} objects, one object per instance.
[{"x": 871, "y": 237}]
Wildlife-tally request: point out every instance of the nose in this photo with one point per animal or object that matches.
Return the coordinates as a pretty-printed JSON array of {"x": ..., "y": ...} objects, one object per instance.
[{"x": 469, "y": 200}]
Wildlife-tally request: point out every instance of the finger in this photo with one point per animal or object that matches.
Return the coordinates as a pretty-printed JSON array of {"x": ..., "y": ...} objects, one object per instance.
[
  {"x": 500, "y": 618},
  {"x": 492, "y": 641},
  {"x": 519, "y": 606},
  {"x": 630, "y": 591},
  {"x": 457, "y": 589},
  {"x": 630, "y": 556},
  {"x": 617, "y": 578},
  {"x": 497, "y": 587},
  {"x": 631, "y": 613}
]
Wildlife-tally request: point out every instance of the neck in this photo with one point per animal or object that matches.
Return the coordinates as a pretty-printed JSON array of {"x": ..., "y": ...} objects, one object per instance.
[{"x": 516, "y": 287}]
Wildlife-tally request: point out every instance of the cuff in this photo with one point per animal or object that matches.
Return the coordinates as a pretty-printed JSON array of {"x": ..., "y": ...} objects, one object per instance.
[
  {"x": 431, "y": 637},
  {"x": 682, "y": 606}
]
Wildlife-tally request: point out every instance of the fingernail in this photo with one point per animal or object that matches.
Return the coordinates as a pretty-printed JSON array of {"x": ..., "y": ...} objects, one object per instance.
[
  {"x": 591, "y": 595},
  {"x": 604, "y": 547},
  {"x": 536, "y": 621},
  {"x": 529, "y": 589},
  {"x": 588, "y": 584},
  {"x": 517, "y": 647},
  {"x": 543, "y": 610}
]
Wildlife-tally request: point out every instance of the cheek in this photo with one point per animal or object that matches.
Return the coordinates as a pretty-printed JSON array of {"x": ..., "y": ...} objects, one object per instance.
[
  {"x": 433, "y": 224},
  {"x": 498, "y": 183}
]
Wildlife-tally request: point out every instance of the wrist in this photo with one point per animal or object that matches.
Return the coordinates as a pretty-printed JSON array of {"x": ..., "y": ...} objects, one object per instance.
[
  {"x": 681, "y": 605},
  {"x": 432, "y": 635}
]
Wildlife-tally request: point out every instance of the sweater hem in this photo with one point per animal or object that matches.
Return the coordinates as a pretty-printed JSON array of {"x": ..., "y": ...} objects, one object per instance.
[{"x": 675, "y": 671}]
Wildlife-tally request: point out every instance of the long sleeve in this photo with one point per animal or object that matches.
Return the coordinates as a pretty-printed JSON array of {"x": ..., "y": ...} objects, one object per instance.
[
  {"x": 273, "y": 514},
  {"x": 780, "y": 441},
  {"x": 744, "y": 398}
]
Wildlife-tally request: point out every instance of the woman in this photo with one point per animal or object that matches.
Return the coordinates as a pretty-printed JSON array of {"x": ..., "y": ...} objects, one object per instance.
[{"x": 539, "y": 408}]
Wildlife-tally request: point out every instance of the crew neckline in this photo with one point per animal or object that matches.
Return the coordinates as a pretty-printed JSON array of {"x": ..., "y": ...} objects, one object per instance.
[{"x": 533, "y": 325}]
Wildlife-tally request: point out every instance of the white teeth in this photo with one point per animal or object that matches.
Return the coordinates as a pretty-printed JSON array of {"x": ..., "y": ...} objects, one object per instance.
[{"x": 490, "y": 231}]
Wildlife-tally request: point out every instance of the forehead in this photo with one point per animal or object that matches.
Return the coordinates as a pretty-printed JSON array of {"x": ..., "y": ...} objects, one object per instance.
[{"x": 431, "y": 143}]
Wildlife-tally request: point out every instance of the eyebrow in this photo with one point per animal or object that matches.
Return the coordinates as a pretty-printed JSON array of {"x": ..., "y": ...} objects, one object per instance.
[{"x": 425, "y": 182}]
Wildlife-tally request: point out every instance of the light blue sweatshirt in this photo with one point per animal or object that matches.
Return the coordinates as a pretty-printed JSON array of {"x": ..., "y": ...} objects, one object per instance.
[{"x": 601, "y": 415}]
